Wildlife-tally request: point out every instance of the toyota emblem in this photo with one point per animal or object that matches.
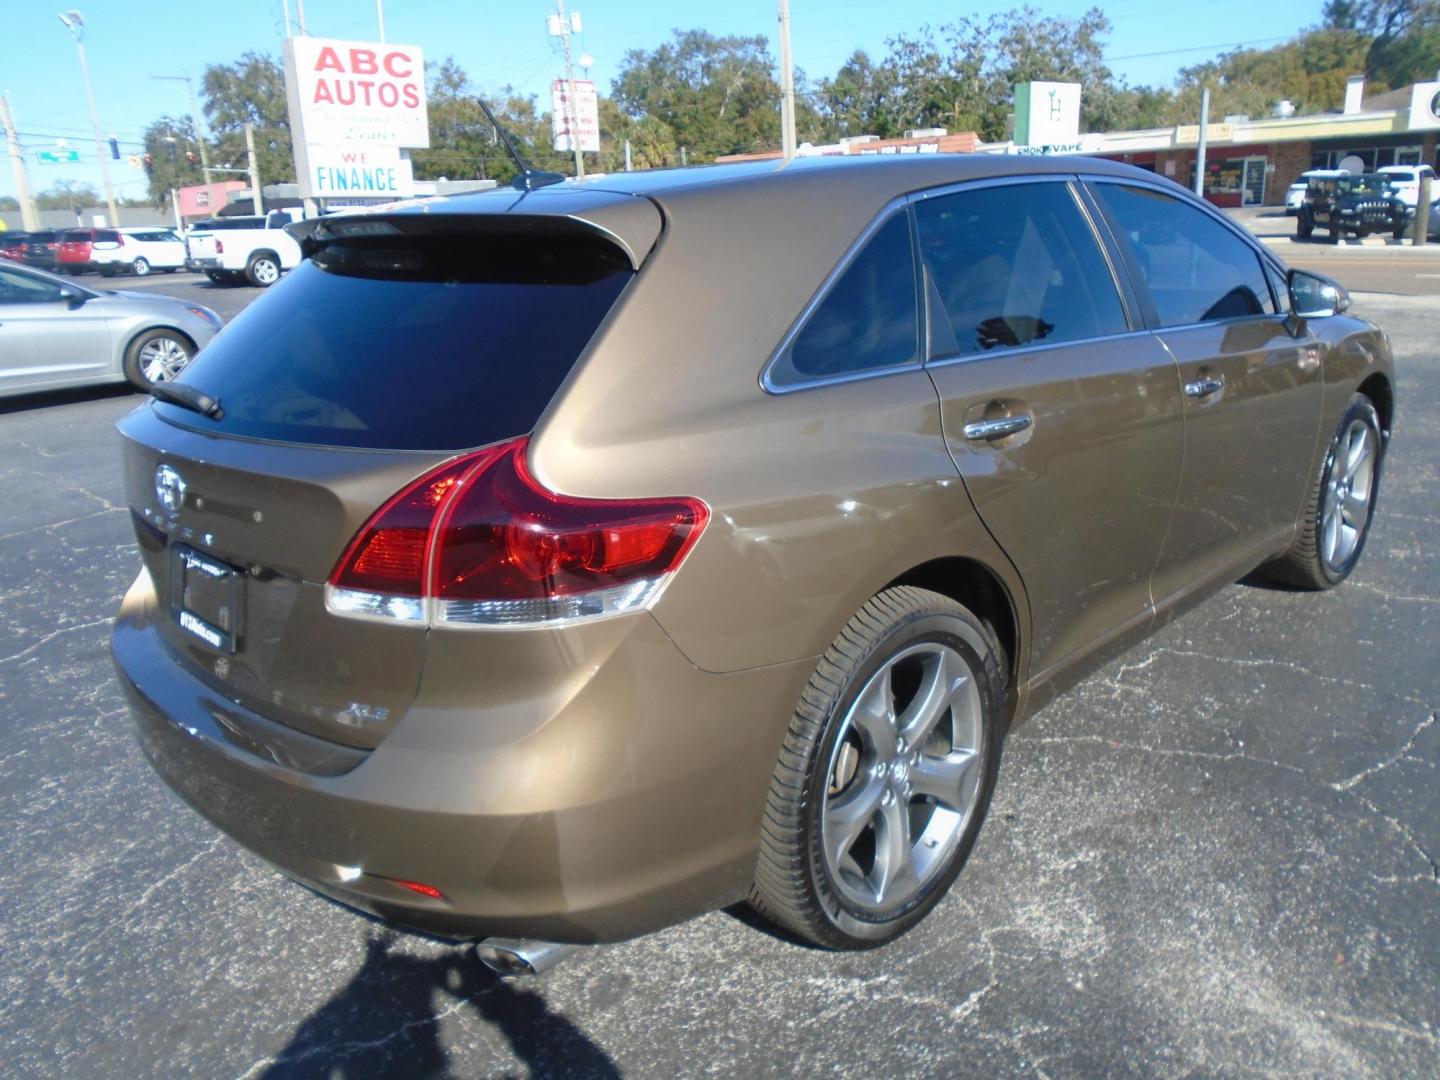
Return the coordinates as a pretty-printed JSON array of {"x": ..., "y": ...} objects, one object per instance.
[{"x": 169, "y": 490}]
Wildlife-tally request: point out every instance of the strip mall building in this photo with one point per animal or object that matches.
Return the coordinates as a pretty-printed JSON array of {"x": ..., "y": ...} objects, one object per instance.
[{"x": 1252, "y": 162}]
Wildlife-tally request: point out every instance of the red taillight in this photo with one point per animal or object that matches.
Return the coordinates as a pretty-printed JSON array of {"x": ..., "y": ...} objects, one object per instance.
[
  {"x": 219, "y": 248},
  {"x": 479, "y": 541}
]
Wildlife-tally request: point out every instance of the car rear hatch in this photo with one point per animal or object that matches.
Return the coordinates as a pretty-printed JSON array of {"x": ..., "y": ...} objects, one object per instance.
[
  {"x": 74, "y": 247},
  {"x": 402, "y": 342}
]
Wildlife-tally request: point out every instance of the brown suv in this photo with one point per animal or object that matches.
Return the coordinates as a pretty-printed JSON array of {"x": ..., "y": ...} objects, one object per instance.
[{"x": 565, "y": 564}]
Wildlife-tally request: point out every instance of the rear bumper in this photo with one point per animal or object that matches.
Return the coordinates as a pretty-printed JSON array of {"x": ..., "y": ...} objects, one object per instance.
[{"x": 628, "y": 799}]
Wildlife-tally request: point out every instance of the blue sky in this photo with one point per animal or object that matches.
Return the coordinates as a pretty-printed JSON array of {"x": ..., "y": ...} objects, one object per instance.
[{"x": 129, "y": 40}]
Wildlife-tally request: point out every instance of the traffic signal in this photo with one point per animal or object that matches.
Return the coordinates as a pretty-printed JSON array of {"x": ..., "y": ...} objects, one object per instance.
[{"x": 114, "y": 148}]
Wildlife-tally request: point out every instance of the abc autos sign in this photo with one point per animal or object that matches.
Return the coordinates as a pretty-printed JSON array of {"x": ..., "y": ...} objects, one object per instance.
[{"x": 348, "y": 97}]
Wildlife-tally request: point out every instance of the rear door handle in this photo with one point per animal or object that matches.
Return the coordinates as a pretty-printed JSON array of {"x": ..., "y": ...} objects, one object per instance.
[
  {"x": 988, "y": 430},
  {"x": 1205, "y": 387}
]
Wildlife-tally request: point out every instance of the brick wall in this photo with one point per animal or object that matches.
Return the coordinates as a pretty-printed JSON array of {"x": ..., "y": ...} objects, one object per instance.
[{"x": 1290, "y": 160}]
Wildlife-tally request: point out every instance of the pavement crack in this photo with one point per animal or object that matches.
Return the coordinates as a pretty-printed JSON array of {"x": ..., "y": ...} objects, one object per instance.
[
  {"x": 50, "y": 525},
  {"x": 35, "y": 646},
  {"x": 1162, "y": 751},
  {"x": 1399, "y": 755}
]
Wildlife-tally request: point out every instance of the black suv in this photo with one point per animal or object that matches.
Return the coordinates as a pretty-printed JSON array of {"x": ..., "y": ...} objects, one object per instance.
[{"x": 1355, "y": 203}]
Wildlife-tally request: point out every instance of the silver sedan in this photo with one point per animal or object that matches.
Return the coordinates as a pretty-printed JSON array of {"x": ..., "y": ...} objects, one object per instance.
[{"x": 54, "y": 333}]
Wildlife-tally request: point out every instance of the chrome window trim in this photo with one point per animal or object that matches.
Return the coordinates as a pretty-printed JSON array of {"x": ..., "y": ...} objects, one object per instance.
[
  {"x": 1023, "y": 350},
  {"x": 897, "y": 205},
  {"x": 1189, "y": 198}
]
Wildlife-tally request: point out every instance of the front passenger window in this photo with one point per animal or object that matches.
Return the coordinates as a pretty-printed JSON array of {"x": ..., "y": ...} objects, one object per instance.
[
  {"x": 22, "y": 289},
  {"x": 1197, "y": 269}
]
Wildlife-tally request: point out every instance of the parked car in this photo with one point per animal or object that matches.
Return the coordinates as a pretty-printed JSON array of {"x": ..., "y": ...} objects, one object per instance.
[
  {"x": 56, "y": 333},
  {"x": 251, "y": 248},
  {"x": 1405, "y": 180},
  {"x": 12, "y": 245},
  {"x": 1355, "y": 203},
  {"x": 730, "y": 582},
  {"x": 39, "y": 249},
  {"x": 73, "y": 256},
  {"x": 138, "y": 251}
]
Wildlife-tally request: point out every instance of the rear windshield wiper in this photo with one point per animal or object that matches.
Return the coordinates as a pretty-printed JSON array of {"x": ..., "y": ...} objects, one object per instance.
[{"x": 187, "y": 397}]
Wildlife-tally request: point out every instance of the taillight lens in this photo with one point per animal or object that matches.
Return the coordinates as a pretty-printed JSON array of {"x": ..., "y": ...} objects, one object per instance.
[
  {"x": 219, "y": 248},
  {"x": 480, "y": 542}
]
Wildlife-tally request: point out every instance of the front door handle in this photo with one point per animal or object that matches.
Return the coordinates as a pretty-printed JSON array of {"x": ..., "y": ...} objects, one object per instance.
[
  {"x": 988, "y": 430},
  {"x": 1205, "y": 387}
]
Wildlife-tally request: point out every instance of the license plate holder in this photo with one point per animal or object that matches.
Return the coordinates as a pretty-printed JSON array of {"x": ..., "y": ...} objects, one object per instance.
[{"x": 206, "y": 597}]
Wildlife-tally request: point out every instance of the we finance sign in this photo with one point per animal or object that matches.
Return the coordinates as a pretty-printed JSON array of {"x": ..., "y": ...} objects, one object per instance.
[
  {"x": 343, "y": 92},
  {"x": 358, "y": 172}
]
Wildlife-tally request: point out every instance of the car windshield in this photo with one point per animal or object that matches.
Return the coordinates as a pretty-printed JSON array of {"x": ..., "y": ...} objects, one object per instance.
[{"x": 1366, "y": 185}]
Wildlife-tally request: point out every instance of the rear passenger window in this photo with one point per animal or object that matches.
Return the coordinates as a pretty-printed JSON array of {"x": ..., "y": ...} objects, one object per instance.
[
  {"x": 1197, "y": 269},
  {"x": 867, "y": 321},
  {"x": 1016, "y": 266}
]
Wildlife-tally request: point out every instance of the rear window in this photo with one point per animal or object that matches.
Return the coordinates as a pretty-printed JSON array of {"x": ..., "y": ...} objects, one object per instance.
[
  {"x": 106, "y": 236},
  {"x": 75, "y": 236},
  {"x": 431, "y": 343}
]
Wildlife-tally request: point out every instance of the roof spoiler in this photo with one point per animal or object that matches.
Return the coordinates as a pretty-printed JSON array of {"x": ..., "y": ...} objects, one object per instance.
[{"x": 631, "y": 224}]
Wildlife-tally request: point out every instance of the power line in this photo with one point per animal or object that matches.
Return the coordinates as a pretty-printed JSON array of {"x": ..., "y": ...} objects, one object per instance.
[{"x": 1200, "y": 48}]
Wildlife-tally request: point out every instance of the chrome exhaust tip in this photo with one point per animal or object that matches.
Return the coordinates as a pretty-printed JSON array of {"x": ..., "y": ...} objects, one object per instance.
[{"x": 513, "y": 956}]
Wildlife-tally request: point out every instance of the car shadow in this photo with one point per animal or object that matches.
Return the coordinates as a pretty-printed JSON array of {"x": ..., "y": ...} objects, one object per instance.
[
  {"x": 386, "y": 1021},
  {"x": 44, "y": 399}
]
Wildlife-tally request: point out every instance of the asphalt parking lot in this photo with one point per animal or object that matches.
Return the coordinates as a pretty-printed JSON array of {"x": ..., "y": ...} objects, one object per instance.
[{"x": 1218, "y": 857}]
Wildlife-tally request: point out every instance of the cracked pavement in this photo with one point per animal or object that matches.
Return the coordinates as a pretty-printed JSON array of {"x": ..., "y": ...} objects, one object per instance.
[{"x": 1217, "y": 857}]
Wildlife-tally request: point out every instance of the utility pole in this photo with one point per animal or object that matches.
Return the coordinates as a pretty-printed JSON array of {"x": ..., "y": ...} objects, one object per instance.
[
  {"x": 300, "y": 16},
  {"x": 787, "y": 86},
  {"x": 572, "y": 106},
  {"x": 1204, "y": 134},
  {"x": 380, "y": 17},
  {"x": 199, "y": 133},
  {"x": 76, "y": 25},
  {"x": 258, "y": 201},
  {"x": 29, "y": 220},
  {"x": 1422, "y": 212}
]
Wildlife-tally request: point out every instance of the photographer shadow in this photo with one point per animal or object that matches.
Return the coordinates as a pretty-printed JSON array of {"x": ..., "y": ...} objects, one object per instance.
[{"x": 386, "y": 1022}]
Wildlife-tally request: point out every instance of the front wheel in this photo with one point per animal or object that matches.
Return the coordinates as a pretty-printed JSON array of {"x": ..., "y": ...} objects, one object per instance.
[
  {"x": 140, "y": 267},
  {"x": 885, "y": 774},
  {"x": 1303, "y": 227},
  {"x": 1341, "y": 504},
  {"x": 157, "y": 356}
]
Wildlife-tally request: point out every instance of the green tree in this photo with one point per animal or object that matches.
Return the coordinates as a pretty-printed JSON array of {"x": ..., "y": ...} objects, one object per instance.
[
  {"x": 9, "y": 202},
  {"x": 250, "y": 90},
  {"x": 69, "y": 195},
  {"x": 172, "y": 156},
  {"x": 716, "y": 95}
]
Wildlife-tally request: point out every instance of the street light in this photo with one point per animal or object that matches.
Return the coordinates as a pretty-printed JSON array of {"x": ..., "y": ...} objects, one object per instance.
[{"x": 75, "y": 23}]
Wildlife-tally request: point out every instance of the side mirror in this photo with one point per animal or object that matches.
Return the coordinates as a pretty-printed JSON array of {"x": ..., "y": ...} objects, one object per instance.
[
  {"x": 1314, "y": 296},
  {"x": 73, "y": 298}
]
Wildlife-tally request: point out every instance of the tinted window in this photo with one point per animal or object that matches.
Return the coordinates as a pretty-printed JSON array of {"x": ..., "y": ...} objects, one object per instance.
[
  {"x": 868, "y": 318},
  {"x": 18, "y": 288},
  {"x": 75, "y": 236},
  {"x": 419, "y": 344},
  {"x": 1197, "y": 269},
  {"x": 1017, "y": 266},
  {"x": 106, "y": 236}
]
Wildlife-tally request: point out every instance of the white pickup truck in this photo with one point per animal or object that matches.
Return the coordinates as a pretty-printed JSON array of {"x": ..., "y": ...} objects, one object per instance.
[{"x": 257, "y": 249}]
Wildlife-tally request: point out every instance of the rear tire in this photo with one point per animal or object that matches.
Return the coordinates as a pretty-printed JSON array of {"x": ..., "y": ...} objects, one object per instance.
[
  {"x": 140, "y": 267},
  {"x": 263, "y": 269},
  {"x": 157, "y": 356},
  {"x": 1340, "y": 507},
  {"x": 885, "y": 773}
]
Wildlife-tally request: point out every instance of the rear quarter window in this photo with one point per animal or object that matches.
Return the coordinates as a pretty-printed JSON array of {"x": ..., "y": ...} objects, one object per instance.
[{"x": 436, "y": 343}]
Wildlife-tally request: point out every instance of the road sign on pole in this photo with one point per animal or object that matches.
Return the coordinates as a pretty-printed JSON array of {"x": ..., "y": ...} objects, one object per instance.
[{"x": 58, "y": 156}]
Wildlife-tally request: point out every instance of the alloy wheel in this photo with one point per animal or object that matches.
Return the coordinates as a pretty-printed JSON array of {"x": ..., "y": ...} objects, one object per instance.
[
  {"x": 903, "y": 779},
  {"x": 1349, "y": 490},
  {"x": 163, "y": 359}
]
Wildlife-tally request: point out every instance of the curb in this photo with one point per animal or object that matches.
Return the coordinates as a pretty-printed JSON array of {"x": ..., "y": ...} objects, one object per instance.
[{"x": 1368, "y": 245}]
